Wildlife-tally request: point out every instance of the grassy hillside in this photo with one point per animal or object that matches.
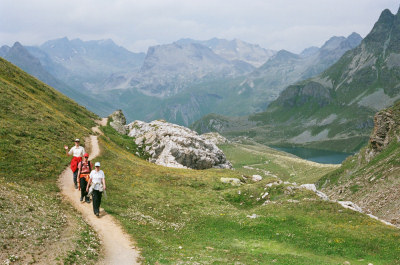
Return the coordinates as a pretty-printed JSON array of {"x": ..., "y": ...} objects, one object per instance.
[
  {"x": 180, "y": 216},
  {"x": 371, "y": 177},
  {"x": 35, "y": 123}
]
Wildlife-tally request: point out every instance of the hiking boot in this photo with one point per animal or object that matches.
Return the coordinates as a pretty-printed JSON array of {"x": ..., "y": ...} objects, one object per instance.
[
  {"x": 81, "y": 199},
  {"x": 76, "y": 185},
  {"x": 87, "y": 199},
  {"x": 97, "y": 214}
]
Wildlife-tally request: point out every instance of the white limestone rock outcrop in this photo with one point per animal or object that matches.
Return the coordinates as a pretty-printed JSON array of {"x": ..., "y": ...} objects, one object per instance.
[
  {"x": 172, "y": 145},
  {"x": 215, "y": 138}
]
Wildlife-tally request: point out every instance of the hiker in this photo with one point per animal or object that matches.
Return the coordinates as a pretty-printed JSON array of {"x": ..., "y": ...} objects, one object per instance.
[
  {"x": 97, "y": 185},
  {"x": 84, "y": 169},
  {"x": 77, "y": 151}
]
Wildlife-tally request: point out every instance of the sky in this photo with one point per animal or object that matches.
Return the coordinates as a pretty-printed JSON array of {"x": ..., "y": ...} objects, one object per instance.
[{"x": 137, "y": 24}]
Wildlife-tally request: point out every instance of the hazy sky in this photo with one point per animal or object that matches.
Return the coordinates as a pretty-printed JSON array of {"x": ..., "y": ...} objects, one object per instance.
[{"x": 274, "y": 24}]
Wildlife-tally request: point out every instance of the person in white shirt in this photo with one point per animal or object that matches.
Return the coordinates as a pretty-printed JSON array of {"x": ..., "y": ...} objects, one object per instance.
[
  {"x": 77, "y": 152},
  {"x": 98, "y": 182}
]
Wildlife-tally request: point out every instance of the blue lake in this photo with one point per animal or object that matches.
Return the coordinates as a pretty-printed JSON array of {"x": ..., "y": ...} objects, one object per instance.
[{"x": 315, "y": 155}]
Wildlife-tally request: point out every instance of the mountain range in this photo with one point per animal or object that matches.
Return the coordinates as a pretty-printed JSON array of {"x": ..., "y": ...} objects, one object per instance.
[
  {"x": 179, "y": 82},
  {"x": 169, "y": 69},
  {"x": 333, "y": 110},
  {"x": 85, "y": 64}
]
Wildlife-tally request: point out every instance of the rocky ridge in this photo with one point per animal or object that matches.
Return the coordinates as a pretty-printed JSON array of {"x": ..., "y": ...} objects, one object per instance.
[
  {"x": 235, "y": 50},
  {"x": 172, "y": 145},
  {"x": 169, "y": 69}
]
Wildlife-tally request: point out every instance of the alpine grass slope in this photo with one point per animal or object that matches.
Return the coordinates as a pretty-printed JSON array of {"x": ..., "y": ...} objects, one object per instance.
[{"x": 35, "y": 123}]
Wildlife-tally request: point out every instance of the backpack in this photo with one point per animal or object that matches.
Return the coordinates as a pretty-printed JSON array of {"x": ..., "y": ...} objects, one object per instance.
[{"x": 90, "y": 166}]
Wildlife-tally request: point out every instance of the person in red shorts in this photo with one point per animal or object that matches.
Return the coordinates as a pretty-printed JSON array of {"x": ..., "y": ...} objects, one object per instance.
[{"x": 77, "y": 152}]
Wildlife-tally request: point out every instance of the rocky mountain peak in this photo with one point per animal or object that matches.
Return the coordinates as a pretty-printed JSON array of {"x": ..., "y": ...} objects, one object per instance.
[
  {"x": 284, "y": 55},
  {"x": 385, "y": 32},
  {"x": 20, "y": 56},
  {"x": 352, "y": 41},
  {"x": 339, "y": 43},
  {"x": 17, "y": 45},
  {"x": 4, "y": 50},
  {"x": 333, "y": 43},
  {"x": 355, "y": 37},
  {"x": 386, "y": 17}
]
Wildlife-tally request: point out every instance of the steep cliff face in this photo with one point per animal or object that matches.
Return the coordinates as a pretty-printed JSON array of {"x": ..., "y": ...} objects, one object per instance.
[
  {"x": 371, "y": 177},
  {"x": 385, "y": 131}
]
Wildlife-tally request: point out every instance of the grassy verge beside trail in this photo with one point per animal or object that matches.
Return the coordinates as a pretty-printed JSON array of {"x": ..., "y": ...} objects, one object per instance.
[
  {"x": 180, "y": 216},
  {"x": 35, "y": 123}
]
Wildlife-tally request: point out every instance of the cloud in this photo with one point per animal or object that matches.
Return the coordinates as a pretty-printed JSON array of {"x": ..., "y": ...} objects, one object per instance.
[{"x": 287, "y": 24}]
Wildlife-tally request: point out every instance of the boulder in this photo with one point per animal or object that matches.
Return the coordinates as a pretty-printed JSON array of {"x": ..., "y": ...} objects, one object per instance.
[
  {"x": 232, "y": 181},
  {"x": 172, "y": 145},
  {"x": 256, "y": 178}
]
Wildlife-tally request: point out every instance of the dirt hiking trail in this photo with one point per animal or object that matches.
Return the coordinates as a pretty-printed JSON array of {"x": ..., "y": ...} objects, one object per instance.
[{"x": 118, "y": 246}]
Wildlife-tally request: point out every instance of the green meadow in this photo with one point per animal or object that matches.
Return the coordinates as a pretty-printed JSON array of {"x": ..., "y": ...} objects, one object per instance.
[{"x": 183, "y": 216}]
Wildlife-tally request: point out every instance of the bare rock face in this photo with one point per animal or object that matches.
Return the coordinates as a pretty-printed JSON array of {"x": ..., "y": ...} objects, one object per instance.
[
  {"x": 383, "y": 124},
  {"x": 118, "y": 121},
  {"x": 172, "y": 145},
  {"x": 215, "y": 138},
  {"x": 384, "y": 132}
]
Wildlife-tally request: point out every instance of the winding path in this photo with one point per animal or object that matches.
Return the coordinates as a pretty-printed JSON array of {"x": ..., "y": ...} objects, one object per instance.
[{"x": 118, "y": 246}]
